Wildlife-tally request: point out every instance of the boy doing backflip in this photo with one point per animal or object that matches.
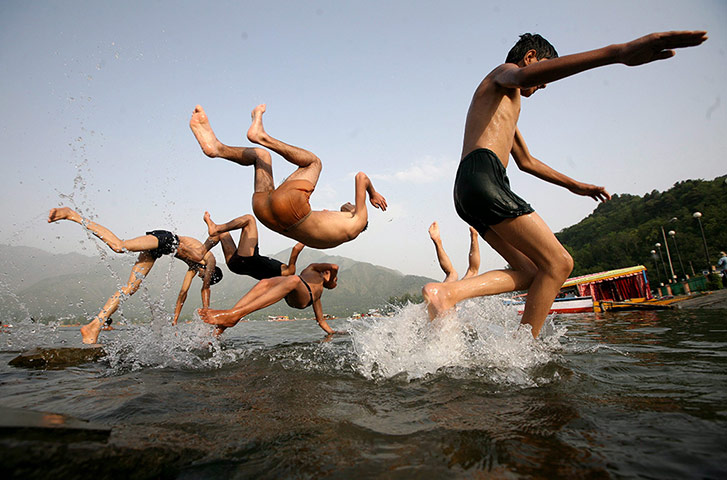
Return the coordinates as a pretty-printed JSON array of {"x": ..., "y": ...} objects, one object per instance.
[
  {"x": 151, "y": 247},
  {"x": 482, "y": 194},
  {"x": 244, "y": 258},
  {"x": 286, "y": 209}
]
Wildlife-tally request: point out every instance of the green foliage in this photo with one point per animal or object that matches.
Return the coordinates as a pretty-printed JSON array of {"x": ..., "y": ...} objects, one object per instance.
[
  {"x": 623, "y": 231},
  {"x": 714, "y": 281}
]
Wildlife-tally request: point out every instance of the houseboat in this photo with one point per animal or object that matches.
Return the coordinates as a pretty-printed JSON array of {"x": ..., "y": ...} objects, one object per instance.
[{"x": 622, "y": 289}]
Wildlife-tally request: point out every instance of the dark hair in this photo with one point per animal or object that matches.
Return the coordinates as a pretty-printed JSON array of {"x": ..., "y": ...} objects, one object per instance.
[
  {"x": 217, "y": 276},
  {"x": 530, "y": 41}
]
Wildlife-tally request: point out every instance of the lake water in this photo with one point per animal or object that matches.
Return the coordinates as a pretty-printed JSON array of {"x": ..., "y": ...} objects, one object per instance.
[{"x": 626, "y": 395}]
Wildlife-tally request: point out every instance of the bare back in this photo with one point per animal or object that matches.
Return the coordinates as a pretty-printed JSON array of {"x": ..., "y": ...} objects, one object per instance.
[
  {"x": 492, "y": 117},
  {"x": 191, "y": 250}
]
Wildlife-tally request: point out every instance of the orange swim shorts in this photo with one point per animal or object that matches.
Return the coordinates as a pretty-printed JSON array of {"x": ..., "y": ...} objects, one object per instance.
[{"x": 285, "y": 207}]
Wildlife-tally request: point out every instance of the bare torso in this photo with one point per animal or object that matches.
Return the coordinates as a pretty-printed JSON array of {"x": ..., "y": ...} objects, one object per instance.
[
  {"x": 325, "y": 229},
  {"x": 492, "y": 118},
  {"x": 301, "y": 297},
  {"x": 191, "y": 250}
]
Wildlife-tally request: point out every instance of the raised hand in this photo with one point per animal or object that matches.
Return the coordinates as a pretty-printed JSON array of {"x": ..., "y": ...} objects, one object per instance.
[
  {"x": 378, "y": 201},
  {"x": 659, "y": 46}
]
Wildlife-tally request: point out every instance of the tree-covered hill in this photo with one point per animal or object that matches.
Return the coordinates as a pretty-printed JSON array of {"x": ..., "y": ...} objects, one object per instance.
[{"x": 623, "y": 231}]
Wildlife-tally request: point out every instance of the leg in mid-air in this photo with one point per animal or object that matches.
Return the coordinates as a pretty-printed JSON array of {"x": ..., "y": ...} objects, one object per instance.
[
  {"x": 141, "y": 268},
  {"x": 245, "y": 156},
  {"x": 248, "y": 235},
  {"x": 444, "y": 262},
  {"x": 309, "y": 165},
  {"x": 138, "y": 244},
  {"x": 247, "y": 246},
  {"x": 540, "y": 264},
  {"x": 265, "y": 293},
  {"x": 473, "y": 267}
]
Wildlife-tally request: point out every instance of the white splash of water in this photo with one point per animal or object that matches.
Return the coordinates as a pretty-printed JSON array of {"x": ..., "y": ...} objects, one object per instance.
[
  {"x": 483, "y": 337},
  {"x": 162, "y": 345}
]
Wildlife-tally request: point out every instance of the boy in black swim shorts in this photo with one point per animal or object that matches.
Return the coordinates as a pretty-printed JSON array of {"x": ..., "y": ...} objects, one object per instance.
[
  {"x": 482, "y": 195},
  {"x": 244, "y": 258},
  {"x": 151, "y": 247}
]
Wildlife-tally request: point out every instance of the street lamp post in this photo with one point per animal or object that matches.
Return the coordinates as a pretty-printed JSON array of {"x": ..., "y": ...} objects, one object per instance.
[
  {"x": 656, "y": 265},
  {"x": 698, "y": 216},
  {"x": 658, "y": 246},
  {"x": 668, "y": 256},
  {"x": 673, "y": 236}
]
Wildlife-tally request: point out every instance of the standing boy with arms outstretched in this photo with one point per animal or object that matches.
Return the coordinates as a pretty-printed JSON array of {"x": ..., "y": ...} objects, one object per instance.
[{"x": 482, "y": 195}]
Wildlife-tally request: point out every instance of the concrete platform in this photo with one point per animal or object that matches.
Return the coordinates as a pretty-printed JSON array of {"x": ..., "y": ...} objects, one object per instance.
[{"x": 711, "y": 300}]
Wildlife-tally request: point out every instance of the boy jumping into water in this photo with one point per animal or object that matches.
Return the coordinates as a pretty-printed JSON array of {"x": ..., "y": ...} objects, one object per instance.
[
  {"x": 244, "y": 258},
  {"x": 286, "y": 209},
  {"x": 299, "y": 291},
  {"x": 482, "y": 192},
  {"x": 151, "y": 247},
  {"x": 444, "y": 261}
]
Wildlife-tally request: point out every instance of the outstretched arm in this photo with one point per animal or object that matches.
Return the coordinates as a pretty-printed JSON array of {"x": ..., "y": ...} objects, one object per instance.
[
  {"x": 318, "y": 311},
  {"x": 649, "y": 48},
  {"x": 528, "y": 163},
  {"x": 210, "y": 264},
  {"x": 289, "y": 269},
  {"x": 186, "y": 283},
  {"x": 364, "y": 186}
]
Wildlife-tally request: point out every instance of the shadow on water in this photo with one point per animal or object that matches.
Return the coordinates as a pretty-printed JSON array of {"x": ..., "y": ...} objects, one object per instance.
[{"x": 601, "y": 396}]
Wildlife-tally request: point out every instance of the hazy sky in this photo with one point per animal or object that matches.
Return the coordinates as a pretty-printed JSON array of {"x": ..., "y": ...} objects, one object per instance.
[{"x": 97, "y": 98}]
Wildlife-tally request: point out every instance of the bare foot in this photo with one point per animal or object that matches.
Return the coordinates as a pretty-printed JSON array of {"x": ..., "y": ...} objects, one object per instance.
[
  {"x": 434, "y": 232},
  {"x": 200, "y": 125},
  {"x": 61, "y": 213},
  {"x": 256, "y": 132},
  {"x": 221, "y": 318},
  {"x": 438, "y": 301},
  {"x": 211, "y": 226},
  {"x": 90, "y": 332}
]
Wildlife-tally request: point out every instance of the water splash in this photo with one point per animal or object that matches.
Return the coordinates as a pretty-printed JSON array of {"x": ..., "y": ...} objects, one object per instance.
[
  {"x": 482, "y": 339},
  {"x": 189, "y": 346}
]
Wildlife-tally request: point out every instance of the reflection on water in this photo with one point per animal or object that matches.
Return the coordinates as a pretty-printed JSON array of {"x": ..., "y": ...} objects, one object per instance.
[{"x": 601, "y": 395}]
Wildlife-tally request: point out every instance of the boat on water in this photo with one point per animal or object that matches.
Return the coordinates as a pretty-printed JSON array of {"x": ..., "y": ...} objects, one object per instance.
[
  {"x": 278, "y": 318},
  {"x": 621, "y": 289},
  {"x": 560, "y": 305}
]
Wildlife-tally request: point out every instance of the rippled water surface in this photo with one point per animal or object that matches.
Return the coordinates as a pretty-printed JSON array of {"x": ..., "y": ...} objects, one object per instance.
[{"x": 627, "y": 395}]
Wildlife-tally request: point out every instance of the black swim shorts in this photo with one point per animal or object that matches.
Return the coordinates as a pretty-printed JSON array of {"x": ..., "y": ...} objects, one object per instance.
[
  {"x": 256, "y": 266},
  {"x": 482, "y": 195},
  {"x": 168, "y": 243}
]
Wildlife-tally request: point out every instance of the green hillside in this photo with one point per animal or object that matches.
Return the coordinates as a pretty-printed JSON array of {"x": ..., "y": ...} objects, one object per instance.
[{"x": 623, "y": 231}]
